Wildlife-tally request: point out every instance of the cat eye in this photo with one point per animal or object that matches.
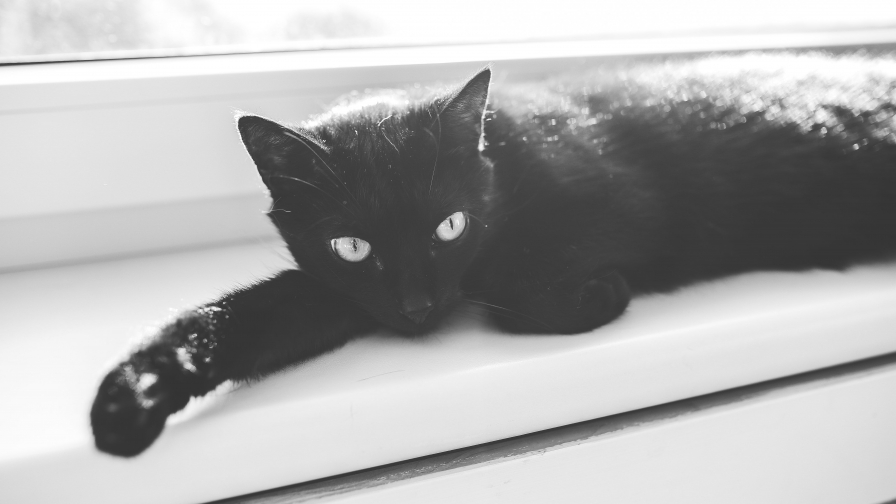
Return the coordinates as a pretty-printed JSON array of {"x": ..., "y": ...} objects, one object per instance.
[
  {"x": 452, "y": 227},
  {"x": 350, "y": 248}
]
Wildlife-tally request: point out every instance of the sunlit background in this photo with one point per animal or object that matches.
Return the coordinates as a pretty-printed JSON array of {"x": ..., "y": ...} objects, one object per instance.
[{"x": 37, "y": 30}]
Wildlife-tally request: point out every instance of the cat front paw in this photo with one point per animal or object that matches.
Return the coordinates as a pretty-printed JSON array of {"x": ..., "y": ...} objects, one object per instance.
[
  {"x": 602, "y": 298},
  {"x": 584, "y": 305},
  {"x": 130, "y": 409},
  {"x": 575, "y": 305}
]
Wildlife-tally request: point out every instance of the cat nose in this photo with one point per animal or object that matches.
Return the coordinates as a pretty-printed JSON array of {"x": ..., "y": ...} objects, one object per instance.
[{"x": 416, "y": 309}]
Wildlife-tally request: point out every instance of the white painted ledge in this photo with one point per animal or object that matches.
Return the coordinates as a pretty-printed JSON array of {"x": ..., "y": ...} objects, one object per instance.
[
  {"x": 828, "y": 440},
  {"x": 384, "y": 398},
  {"x": 42, "y": 241}
]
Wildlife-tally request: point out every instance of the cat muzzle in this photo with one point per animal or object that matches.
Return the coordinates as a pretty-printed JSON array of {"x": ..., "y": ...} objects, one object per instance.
[{"x": 416, "y": 310}]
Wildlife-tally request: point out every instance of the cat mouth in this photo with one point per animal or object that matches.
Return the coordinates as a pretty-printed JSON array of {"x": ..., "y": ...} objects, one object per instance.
[
  {"x": 406, "y": 325},
  {"x": 422, "y": 321}
]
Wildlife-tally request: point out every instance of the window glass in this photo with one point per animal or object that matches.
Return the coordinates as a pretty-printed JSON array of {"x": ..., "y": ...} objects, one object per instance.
[{"x": 37, "y": 30}]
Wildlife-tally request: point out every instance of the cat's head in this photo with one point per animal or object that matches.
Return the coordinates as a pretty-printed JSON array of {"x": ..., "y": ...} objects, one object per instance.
[{"x": 385, "y": 199}]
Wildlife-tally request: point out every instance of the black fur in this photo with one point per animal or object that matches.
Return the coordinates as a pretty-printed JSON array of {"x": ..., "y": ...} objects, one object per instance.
[{"x": 577, "y": 194}]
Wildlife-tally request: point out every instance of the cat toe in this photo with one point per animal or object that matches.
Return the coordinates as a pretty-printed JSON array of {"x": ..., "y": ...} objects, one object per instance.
[
  {"x": 607, "y": 289},
  {"x": 128, "y": 414},
  {"x": 602, "y": 298}
]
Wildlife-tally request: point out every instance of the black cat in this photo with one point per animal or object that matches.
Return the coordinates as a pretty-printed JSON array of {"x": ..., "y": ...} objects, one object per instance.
[{"x": 549, "y": 207}]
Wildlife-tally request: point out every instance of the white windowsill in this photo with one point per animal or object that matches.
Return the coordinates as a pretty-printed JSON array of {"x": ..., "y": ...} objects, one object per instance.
[
  {"x": 823, "y": 437},
  {"x": 384, "y": 398}
]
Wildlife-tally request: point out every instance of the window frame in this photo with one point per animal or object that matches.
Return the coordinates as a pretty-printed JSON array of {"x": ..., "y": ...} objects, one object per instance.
[{"x": 167, "y": 101}]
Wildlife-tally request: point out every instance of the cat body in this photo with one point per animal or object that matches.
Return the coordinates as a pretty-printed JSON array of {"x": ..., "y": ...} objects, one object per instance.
[
  {"x": 680, "y": 172},
  {"x": 549, "y": 207}
]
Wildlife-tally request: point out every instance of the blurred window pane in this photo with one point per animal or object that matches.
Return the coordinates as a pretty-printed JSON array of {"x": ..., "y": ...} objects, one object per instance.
[{"x": 36, "y": 30}]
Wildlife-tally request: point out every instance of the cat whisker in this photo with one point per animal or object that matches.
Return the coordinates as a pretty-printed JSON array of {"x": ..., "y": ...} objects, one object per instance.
[
  {"x": 325, "y": 219},
  {"x": 273, "y": 208},
  {"x": 287, "y": 177},
  {"x": 345, "y": 187},
  {"x": 476, "y": 313},
  {"x": 508, "y": 311},
  {"x": 489, "y": 310},
  {"x": 477, "y": 218},
  {"x": 438, "y": 146},
  {"x": 383, "y": 120},
  {"x": 390, "y": 142},
  {"x": 379, "y": 125}
]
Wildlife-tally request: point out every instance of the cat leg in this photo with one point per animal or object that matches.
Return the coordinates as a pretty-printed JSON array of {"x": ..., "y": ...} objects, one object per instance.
[
  {"x": 530, "y": 300},
  {"x": 247, "y": 333}
]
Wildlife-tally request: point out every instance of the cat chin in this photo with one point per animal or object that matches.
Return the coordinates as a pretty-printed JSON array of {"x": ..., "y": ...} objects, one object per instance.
[
  {"x": 410, "y": 328},
  {"x": 406, "y": 327}
]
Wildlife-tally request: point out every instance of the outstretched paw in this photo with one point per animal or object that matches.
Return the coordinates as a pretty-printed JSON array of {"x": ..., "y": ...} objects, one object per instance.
[{"x": 130, "y": 410}]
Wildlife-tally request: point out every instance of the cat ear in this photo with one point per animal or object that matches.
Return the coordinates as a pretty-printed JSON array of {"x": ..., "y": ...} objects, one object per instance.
[
  {"x": 279, "y": 152},
  {"x": 464, "y": 110}
]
